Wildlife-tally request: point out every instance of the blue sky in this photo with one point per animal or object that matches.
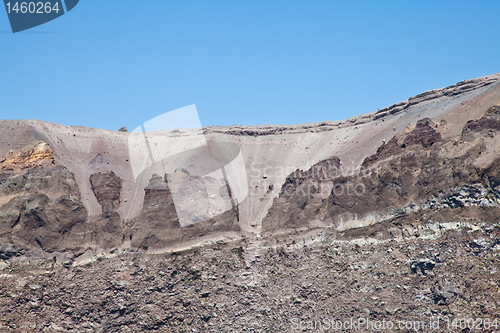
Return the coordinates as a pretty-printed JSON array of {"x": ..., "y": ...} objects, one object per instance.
[{"x": 116, "y": 63}]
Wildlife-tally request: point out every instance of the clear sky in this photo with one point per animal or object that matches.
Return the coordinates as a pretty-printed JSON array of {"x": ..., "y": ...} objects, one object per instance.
[{"x": 113, "y": 63}]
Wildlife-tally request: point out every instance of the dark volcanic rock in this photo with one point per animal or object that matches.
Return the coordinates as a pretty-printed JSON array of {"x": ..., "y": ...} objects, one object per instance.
[
  {"x": 424, "y": 134},
  {"x": 157, "y": 226},
  {"x": 44, "y": 204},
  {"x": 108, "y": 228},
  {"x": 158, "y": 217},
  {"x": 107, "y": 187},
  {"x": 272, "y": 284},
  {"x": 303, "y": 196},
  {"x": 397, "y": 179},
  {"x": 490, "y": 121}
]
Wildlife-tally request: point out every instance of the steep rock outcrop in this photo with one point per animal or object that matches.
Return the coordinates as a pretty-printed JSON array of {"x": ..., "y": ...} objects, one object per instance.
[
  {"x": 303, "y": 196},
  {"x": 157, "y": 226},
  {"x": 108, "y": 227},
  {"x": 40, "y": 205},
  {"x": 423, "y": 134},
  {"x": 107, "y": 188}
]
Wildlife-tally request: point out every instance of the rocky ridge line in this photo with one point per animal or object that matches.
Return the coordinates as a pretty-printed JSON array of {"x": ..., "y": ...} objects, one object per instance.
[{"x": 453, "y": 90}]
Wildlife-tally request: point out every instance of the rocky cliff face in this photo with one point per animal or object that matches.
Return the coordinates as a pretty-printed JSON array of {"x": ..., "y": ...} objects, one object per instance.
[
  {"x": 74, "y": 188},
  {"x": 41, "y": 207},
  {"x": 390, "y": 215},
  {"x": 413, "y": 171}
]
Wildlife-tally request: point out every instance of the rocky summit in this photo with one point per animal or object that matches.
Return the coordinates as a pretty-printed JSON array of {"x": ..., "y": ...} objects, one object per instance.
[{"x": 388, "y": 221}]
